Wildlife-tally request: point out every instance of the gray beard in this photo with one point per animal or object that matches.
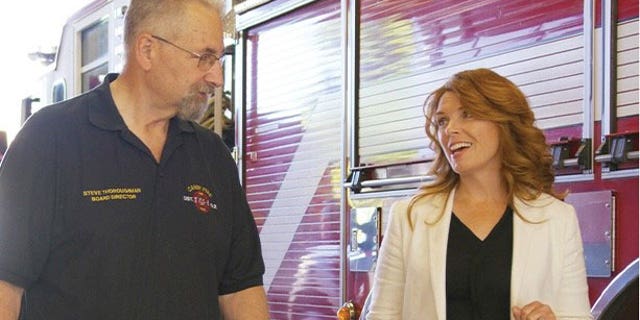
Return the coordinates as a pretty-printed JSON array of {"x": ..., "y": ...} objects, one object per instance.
[{"x": 191, "y": 108}]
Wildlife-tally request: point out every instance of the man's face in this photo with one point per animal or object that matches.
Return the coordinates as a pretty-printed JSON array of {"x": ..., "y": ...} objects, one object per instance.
[{"x": 195, "y": 72}]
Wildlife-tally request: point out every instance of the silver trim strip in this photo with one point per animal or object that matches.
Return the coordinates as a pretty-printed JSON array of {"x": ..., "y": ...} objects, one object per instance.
[
  {"x": 255, "y": 16},
  {"x": 613, "y": 290},
  {"x": 395, "y": 181},
  {"x": 588, "y": 75},
  {"x": 239, "y": 101},
  {"x": 392, "y": 181},
  {"x": 346, "y": 17},
  {"x": 384, "y": 194},
  {"x": 574, "y": 178},
  {"x": 608, "y": 120},
  {"x": 625, "y": 173}
]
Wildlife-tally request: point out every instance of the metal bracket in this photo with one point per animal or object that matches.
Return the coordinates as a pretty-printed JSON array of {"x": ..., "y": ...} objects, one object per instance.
[
  {"x": 596, "y": 215},
  {"x": 386, "y": 177},
  {"x": 364, "y": 238}
]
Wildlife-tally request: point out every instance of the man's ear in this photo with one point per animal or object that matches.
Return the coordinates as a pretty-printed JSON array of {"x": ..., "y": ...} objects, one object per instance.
[{"x": 145, "y": 49}]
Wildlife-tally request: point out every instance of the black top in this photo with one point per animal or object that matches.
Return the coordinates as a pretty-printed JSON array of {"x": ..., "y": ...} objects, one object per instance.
[
  {"x": 94, "y": 228},
  {"x": 479, "y": 272}
]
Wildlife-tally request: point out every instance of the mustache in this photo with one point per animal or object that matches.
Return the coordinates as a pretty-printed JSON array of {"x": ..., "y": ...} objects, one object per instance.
[{"x": 207, "y": 89}]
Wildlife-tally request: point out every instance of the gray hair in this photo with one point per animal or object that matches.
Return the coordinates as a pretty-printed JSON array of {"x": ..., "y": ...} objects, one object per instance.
[{"x": 150, "y": 15}]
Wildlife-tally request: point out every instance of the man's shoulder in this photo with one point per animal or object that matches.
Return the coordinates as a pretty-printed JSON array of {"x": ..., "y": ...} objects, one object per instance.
[
  {"x": 207, "y": 136},
  {"x": 62, "y": 119},
  {"x": 67, "y": 108},
  {"x": 200, "y": 130}
]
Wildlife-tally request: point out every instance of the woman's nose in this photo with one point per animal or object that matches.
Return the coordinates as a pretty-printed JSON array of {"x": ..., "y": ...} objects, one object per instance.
[{"x": 452, "y": 126}]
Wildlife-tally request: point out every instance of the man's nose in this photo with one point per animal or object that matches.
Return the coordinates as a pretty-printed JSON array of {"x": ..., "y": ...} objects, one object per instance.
[{"x": 214, "y": 75}]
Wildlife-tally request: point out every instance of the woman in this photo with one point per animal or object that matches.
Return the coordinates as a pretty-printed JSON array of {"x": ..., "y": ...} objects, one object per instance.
[{"x": 488, "y": 238}]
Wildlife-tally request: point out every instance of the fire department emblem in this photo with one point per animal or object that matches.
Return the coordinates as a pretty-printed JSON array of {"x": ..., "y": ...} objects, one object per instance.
[{"x": 200, "y": 197}]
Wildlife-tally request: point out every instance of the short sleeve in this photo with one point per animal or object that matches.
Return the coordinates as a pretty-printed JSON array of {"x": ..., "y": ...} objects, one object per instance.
[
  {"x": 245, "y": 266},
  {"x": 27, "y": 201}
]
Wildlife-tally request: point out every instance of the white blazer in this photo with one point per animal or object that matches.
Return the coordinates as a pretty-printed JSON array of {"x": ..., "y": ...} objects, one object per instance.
[{"x": 547, "y": 263}]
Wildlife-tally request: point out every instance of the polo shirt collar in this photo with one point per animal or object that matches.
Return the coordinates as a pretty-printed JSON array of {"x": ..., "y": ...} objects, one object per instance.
[{"x": 106, "y": 116}]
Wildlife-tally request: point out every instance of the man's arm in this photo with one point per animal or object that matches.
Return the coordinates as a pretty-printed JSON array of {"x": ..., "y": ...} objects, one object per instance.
[
  {"x": 250, "y": 304},
  {"x": 10, "y": 300}
]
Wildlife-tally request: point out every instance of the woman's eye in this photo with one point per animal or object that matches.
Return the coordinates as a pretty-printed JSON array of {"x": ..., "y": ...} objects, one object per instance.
[
  {"x": 441, "y": 122},
  {"x": 466, "y": 114}
]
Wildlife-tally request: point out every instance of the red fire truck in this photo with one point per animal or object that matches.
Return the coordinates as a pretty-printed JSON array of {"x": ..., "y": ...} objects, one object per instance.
[{"x": 327, "y": 100}]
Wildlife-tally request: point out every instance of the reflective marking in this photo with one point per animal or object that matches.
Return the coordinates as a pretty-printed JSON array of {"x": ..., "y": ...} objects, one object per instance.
[{"x": 295, "y": 194}]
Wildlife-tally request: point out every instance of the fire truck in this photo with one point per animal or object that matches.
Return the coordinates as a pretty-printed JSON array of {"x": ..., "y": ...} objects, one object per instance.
[{"x": 327, "y": 101}]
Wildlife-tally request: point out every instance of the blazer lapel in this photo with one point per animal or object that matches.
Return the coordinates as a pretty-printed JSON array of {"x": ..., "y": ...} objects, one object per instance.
[
  {"x": 523, "y": 233},
  {"x": 438, "y": 235}
]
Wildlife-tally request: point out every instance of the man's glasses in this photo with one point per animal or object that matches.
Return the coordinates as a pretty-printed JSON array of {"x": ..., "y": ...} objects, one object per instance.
[{"x": 205, "y": 60}]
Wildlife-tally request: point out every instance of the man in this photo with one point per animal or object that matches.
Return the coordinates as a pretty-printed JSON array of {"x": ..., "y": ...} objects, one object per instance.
[{"x": 112, "y": 206}]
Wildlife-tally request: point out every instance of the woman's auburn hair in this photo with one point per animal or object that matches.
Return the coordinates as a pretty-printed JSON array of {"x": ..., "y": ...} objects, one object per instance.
[{"x": 526, "y": 158}]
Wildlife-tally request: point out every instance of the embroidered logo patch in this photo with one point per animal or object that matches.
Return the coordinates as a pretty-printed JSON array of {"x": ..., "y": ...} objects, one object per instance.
[{"x": 200, "y": 197}]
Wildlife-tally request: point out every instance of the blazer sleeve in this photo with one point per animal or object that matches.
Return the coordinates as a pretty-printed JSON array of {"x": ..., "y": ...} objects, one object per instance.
[
  {"x": 387, "y": 293},
  {"x": 573, "y": 298}
]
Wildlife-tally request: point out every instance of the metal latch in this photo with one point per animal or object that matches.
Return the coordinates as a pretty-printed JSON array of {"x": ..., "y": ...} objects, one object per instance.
[
  {"x": 354, "y": 180},
  {"x": 617, "y": 150},
  {"x": 571, "y": 154}
]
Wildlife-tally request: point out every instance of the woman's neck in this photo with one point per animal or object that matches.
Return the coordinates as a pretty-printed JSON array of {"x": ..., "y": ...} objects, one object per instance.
[{"x": 482, "y": 189}]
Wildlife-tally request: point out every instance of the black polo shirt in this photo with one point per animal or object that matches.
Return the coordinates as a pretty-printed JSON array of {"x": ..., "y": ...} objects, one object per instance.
[{"x": 94, "y": 228}]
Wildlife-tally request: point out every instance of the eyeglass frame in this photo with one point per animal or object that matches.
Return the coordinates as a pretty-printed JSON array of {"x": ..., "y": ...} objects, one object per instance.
[{"x": 202, "y": 57}]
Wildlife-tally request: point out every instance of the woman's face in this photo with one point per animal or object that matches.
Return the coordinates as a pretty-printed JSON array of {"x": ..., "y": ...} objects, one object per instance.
[{"x": 470, "y": 145}]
